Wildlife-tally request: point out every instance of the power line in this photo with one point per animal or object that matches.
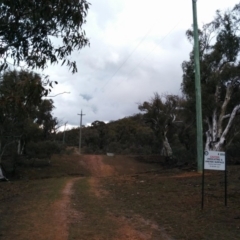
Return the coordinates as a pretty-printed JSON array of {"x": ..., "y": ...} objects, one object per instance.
[
  {"x": 124, "y": 62},
  {"x": 152, "y": 50},
  {"x": 129, "y": 75}
]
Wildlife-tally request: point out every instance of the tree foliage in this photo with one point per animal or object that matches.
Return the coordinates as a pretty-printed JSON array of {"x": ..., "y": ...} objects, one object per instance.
[
  {"x": 167, "y": 123},
  {"x": 220, "y": 77},
  {"x": 24, "y": 115},
  {"x": 160, "y": 114},
  {"x": 40, "y": 32},
  {"x": 130, "y": 135}
]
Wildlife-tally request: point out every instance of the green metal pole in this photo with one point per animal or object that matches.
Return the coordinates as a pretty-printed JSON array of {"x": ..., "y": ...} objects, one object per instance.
[{"x": 198, "y": 91}]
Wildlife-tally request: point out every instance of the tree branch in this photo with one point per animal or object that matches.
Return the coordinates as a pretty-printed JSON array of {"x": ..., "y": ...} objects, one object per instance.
[
  {"x": 233, "y": 115},
  {"x": 226, "y": 116},
  {"x": 223, "y": 109},
  {"x": 58, "y": 94}
]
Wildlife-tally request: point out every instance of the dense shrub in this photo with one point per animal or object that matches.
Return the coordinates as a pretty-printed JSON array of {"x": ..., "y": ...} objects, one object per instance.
[
  {"x": 183, "y": 156},
  {"x": 43, "y": 149}
]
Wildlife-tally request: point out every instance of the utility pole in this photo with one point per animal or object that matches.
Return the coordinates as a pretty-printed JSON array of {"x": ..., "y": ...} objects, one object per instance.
[
  {"x": 198, "y": 91},
  {"x": 80, "y": 131},
  {"x": 64, "y": 132}
]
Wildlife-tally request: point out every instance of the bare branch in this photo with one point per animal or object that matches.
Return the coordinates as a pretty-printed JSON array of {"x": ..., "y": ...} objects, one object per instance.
[
  {"x": 223, "y": 109},
  {"x": 59, "y": 94},
  {"x": 226, "y": 116},
  {"x": 233, "y": 115}
]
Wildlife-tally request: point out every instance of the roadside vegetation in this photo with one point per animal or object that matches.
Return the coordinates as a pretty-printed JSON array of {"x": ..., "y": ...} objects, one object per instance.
[
  {"x": 165, "y": 124},
  {"x": 138, "y": 198},
  {"x": 149, "y": 189}
]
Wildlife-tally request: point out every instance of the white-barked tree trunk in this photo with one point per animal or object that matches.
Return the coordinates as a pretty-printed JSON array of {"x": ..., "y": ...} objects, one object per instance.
[{"x": 220, "y": 123}]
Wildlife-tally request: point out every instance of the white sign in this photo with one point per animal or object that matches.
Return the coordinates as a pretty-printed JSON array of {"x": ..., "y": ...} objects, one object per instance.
[{"x": 214, "y": 160}]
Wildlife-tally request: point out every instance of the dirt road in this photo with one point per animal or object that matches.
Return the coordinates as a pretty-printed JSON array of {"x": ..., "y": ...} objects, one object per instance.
[
  {"x": 63, "y": 211},
  {"x": 67, "y": 208},
  {"x": 116, "y": 198},
  {"x": 63, "y": 215}
]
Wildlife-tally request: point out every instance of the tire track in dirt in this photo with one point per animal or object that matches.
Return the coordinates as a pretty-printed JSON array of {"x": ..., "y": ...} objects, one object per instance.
[
  {"x": 126, "y": 230},
  {"x": 95, "y": 165},
  {"x": 62, "y": 211},
  {"x": 48, "y": 222}
]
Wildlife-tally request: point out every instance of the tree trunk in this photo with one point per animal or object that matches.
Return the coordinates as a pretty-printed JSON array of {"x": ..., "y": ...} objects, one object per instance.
[
  {"x": 1, "y": 174},
  {"x": 216, "y": 142},
  {"x": 214, "y": 145},
  {"x": 19, "y": 147},
  {"x": 216, "y": 135},
  {"x": 23, "y": 147},
  {"x": 166, "y": 148}
]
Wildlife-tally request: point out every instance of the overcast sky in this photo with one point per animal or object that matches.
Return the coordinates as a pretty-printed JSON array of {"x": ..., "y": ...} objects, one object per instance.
[{"x": 136, "y": 48}]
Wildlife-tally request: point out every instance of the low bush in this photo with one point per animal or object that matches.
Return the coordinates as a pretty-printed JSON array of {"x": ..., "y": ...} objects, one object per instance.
[{"x": 43, "y": 149}]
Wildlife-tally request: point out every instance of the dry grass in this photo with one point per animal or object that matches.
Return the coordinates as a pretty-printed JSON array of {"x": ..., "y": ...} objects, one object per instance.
[
  {"x": 93, "y": 221},
  {"x": 25, "y": 203},
  {"x": 173, "y": 201},
  {"x": 59, "y": 166},
  {"x": 25, "y": 208},
  {"x": 137, "y": 197}
]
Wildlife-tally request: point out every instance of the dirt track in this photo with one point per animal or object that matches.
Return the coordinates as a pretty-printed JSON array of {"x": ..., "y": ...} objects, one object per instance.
[
  {"x": 62, "y": 211},
  {"x": 116, "y": 198},
  {"x": 95, "y": 165},
  {"x": 47, "y": 211}
]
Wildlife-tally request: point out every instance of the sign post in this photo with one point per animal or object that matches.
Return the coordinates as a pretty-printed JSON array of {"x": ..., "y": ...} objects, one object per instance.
[
  {"x": 214, "y": 160},
  {"x": 225, "y": 184}
]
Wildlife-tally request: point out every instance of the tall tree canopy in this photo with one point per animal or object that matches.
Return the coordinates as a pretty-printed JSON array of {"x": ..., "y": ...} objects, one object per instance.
[
  {"x": 29, "y": 28},
  {"x": 23, "y": 110},
  {"x": 160, "y": 114},
  {"x": 130, "y": 135},
  {"x": 220, "y": 77}
]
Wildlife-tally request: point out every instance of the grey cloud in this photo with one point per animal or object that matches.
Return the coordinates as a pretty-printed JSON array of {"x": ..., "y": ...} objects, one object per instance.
[
  {"x": 94, "y": 109},
  {"x": 86, "y": 97},
  {"x": 106, "y": 97}
]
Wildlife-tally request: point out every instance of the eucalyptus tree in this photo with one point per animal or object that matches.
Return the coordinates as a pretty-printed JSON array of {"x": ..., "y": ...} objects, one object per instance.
[
  {"x": 220, "y": 77},
  {"x": 22, "y": 107},
  {"x": 45, "y": 119},
  {"x": 38, "y": 33},
  {"x": 102, "y": 130},
  {"x": 161, "y": 113}
]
